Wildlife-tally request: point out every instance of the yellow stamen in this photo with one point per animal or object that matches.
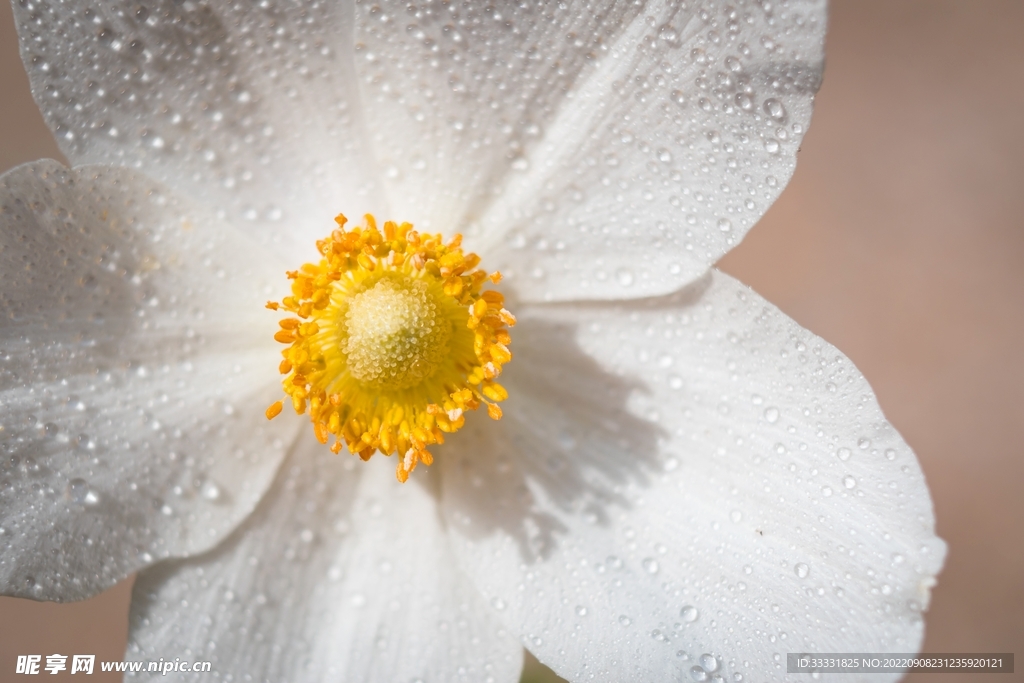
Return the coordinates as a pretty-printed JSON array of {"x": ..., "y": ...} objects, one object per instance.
[{"x": 391, "y": 340}]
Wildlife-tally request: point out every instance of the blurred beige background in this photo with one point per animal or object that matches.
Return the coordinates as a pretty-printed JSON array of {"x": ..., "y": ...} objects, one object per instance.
[{"x": 900, "y": 240}]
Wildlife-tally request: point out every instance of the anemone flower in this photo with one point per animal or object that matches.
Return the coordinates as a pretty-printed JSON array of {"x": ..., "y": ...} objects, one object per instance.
[{"x": 680, "y": 482}]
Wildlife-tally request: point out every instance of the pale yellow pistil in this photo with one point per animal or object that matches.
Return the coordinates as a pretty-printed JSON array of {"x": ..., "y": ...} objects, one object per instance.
[
  {"x": 393, "y": 339},
  {"x": 396, "y": 334}
]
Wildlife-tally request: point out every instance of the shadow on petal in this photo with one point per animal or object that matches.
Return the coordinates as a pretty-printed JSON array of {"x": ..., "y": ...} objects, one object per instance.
[{"x": 568, "y": 440}]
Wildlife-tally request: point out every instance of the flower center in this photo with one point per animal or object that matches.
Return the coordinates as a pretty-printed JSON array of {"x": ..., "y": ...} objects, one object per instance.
[
  {"x": 392, "y": 338},
  {"x": 397, "y": 335}
]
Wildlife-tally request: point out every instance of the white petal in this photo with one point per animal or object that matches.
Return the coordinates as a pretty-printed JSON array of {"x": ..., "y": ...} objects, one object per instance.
[
  {"x": 590, "y": 152},
  {"x": 247, "y": 107},
  {"x": 686, "y": 476},
  {"x": 135, "y": 367},
  {"x": 341, "y": 574}
]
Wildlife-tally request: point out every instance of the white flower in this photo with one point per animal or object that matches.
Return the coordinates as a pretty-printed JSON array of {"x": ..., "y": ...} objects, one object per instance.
[{"x": 685, "y": 484}]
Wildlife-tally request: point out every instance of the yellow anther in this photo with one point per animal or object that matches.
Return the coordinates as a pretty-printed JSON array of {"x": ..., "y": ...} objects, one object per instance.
[
  {"x": 285, "y": 336},
  {"x": 391, "y": 340},
  {"x": 500, "y": 354},
  {"x": 495, "y": 392},
  {"x": 274, "y": 410}
]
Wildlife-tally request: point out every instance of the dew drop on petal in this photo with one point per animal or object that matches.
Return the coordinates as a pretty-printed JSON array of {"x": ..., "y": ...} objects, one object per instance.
[
  {"x": 210, "y": 491},
  {"x": 709, "y": 663},
  {"x": 698, "y": 674},
  {"x": 802, "y": 570},
  {"x": 771, "y": 414},
  {"x": 79, "y": 491},
  {"x": 689, "y": 613},
  {"x": 774, "y": 109}
]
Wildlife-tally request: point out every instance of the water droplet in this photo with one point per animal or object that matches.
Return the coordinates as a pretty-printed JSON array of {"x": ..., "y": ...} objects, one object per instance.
[
  {"x": 79, "y": 491},
  {"x": 670, "y": 35},
  {"x": 849, "y": 482},
  {"x": 802, "y": 570},
  {"x": 664, "y": 156},
  {"x": 581, "y": 611},
  {"x": 724, "y": 224},
  {"x": 698, "y": 674},
  {"x": 210, "y": 491},
  {"x": 650, "y": 565},
  {"x": 744, "y": 101},
  {"x": 624, "y": 277},
  {"x": 771, "y": 145},
  {"x": 106, "y": 35},
  {"x": 890, "y": 454},
  {"x": 771, "y": 414},
  {"x": 689, "y": 613},
  {"x": 826, "y": 491},
  {"x": 624, "y": 620},
  {"x": 774, "y": 109},
  {"x": 498, "y": 604},
  {"x": 844, "y": 453},
  {"x": 736, "y": 516},
  {"x": 709, "y": 663},
  {"x": 864, "y": 444}
]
